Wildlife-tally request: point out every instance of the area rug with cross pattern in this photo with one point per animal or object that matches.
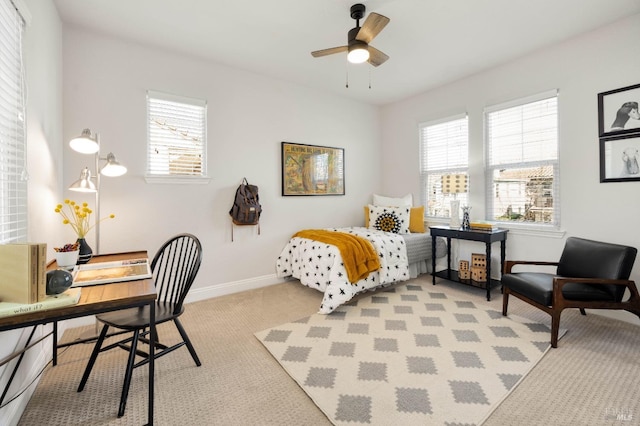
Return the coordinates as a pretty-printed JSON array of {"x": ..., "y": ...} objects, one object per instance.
[{"x": 410, "y": 355}]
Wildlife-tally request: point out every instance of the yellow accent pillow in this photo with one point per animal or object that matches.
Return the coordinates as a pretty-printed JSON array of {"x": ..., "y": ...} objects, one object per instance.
[{"x": 416, "y": 219}]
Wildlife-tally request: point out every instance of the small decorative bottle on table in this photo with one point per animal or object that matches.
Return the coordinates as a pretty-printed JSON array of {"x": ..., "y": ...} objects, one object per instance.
[{"x": 466, "y": 222}]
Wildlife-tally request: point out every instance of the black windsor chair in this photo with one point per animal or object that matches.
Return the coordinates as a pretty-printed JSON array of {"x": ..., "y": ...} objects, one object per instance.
[{"x": 174, "y": 268}]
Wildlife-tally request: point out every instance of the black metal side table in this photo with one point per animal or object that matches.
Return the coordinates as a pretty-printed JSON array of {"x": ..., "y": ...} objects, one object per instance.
[{"x": 487, "y": 237}]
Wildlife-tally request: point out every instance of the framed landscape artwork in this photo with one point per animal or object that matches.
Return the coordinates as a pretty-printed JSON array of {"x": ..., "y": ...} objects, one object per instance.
[
  {"x": 618, "y": 112},
  {"x": 312, "y": 170},
  {"x": 620, "y": 158}
]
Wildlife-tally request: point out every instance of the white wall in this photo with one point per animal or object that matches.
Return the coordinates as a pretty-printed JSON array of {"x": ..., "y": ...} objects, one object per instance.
[
  {"x": 43, "y": 61},
  {"x": 105, "y": 83},
  {"x": 580, "y": 68}
]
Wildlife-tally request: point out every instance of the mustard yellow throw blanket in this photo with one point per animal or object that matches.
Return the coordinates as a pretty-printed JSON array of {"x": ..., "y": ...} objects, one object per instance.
[{"x": 358, "y": 254}]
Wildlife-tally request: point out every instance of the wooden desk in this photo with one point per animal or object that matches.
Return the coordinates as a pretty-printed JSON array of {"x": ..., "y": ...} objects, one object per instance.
[
  {"x": 96, "y": 300},
  {"x": 487, "y": 237}
]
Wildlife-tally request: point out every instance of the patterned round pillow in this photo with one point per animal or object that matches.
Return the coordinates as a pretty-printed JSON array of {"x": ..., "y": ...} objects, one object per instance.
[{"x": 389, "y": 219}]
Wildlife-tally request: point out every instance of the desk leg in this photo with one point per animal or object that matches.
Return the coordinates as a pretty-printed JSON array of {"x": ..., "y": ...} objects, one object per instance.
[
  {"x": 449, "y": 258},
  {"x": 503, "y": 255},
  {"x": 152, "y": 340},
  {"x": 488, "y": 252},
  {"x": 433, "y": 259},
  {"x": 55, "y": 343}
]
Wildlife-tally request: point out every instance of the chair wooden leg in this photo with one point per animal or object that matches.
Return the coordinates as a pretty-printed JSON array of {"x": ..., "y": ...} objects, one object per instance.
[
  {"x": 582, "y": 311},
  {"x": 505, "y": 301},
  {"x": 92, "y": 359},
  {"x": 183, "y": 333},
  {"x": 555, "y": 328},
  {"x": 128, "y": 373},
  {"x": 634, "y": 311}
]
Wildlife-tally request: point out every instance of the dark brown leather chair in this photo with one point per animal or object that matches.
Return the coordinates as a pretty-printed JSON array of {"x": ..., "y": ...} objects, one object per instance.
[{"x": 589, "y": 275}]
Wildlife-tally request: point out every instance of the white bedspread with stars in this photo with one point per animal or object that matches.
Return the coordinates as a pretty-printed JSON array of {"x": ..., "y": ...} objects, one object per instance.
[{"x": 319, "y": 265}]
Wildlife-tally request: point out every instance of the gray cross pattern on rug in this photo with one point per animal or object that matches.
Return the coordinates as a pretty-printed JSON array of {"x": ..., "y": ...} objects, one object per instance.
[
  {"x": 321, "y": 377},
  {"x": 354, "y": 408},
  {"x": 468, "y": 392},
  {"x": 342, "y": 349},
  {"x": 372, "y": 371},
  {"x": 413, "y": 400}
]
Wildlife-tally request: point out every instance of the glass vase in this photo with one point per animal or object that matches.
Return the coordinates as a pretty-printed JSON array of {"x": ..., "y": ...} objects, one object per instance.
[{"x": 85, "y": 253}]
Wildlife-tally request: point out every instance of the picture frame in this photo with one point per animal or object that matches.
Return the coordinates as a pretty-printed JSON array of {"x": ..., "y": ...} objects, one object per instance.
[
  {"x": 618, "y": 112},
  {"x": 620, "y": 158},
  {"x": 312, "y": 170}
]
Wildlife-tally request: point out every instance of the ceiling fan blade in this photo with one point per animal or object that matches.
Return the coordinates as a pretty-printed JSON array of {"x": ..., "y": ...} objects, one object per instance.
[
  {"x": 376, "y": 57},
  {"x": 372, "y": 27},
  {"x": 330, "y": 51}
]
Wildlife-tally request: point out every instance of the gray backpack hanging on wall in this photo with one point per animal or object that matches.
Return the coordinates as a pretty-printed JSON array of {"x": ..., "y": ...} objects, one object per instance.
[{"x": 246, "y": 207}]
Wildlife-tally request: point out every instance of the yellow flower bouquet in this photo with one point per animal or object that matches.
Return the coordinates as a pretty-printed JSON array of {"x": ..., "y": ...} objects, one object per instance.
[{"x": 78, "y": 217}]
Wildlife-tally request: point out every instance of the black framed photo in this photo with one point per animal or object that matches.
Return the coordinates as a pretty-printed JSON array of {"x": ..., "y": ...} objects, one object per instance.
[
  {"x": 312, "y": 170},
  {"x": 620, "y": 159},
  {"x": 618, "y": 112}
]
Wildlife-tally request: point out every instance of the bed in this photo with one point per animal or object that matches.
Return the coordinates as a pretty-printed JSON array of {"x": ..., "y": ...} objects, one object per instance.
[{"x": 320, "y": 265}]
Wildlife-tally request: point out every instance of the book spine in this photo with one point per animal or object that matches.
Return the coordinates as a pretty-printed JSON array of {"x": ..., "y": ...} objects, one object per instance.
[
  {"x": 33, "y": 273},
  {"x": 482, "y": 226},
  {"x": 42, "y": 271}
]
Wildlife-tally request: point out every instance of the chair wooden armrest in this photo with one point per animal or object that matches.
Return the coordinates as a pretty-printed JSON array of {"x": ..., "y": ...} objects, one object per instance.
[
  {"x": 509, "y": 264},
  {"x": 632, "y": 304},
  {"x": 560, "y": 281},
  {"x": 595, "y": 281}
]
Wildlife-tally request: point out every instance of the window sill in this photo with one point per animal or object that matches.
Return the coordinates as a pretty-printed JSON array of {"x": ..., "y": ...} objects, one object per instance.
[
  {"x": 182, "y": 180},
  {"x": 533, "y": 230}
]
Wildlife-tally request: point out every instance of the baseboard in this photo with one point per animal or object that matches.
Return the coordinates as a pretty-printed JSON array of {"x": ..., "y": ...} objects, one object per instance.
[
  {"x": 200, "y": 293},
  {"x": 216, "y": 290}
]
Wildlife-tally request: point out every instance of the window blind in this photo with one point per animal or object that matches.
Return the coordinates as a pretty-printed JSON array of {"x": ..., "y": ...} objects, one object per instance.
[
  {"x": 444, "y": 150},
  {"x": 13, "y": 174},
  {"x": 522, "y": 160},
  {"x": 176, "y": 135}
]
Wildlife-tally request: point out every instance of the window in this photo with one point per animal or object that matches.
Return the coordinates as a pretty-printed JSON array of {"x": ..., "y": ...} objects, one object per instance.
[
  {"x": 522, "y": 161},
  {"x": 444, "y": 150},
  {"x": 13, "y": 173},
  {"x": 176, "y": 136}
]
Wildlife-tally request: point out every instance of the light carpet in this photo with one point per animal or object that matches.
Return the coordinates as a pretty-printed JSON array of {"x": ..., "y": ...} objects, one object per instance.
[{"x": 410, "y": 355}]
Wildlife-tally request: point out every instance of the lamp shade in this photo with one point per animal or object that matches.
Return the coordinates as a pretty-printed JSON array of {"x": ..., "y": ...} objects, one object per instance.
[
  {"x": 83, "y": 184},
  {"x": 454, "y": 184},
  {"x": 113, "y": 167},
  {"x": 85, "y": 143},
  {"x": 358, "y": 52}
]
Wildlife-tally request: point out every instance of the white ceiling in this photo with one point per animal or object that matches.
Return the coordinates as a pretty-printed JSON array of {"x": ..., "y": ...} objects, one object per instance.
[{"x": 430, "y": 42}]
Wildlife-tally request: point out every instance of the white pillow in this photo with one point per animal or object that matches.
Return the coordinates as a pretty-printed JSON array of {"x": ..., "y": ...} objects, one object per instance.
[
  {"x": 379, "y": 200},
  {"x": 389, "y": 219}
]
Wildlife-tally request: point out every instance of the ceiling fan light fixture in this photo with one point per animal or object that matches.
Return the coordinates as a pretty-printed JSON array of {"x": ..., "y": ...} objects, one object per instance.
[{"x": 358, "y": 53}]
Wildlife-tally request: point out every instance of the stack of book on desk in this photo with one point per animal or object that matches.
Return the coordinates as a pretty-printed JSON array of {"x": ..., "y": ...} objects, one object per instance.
[
  {"x": 23, "y": 269},
  {"x": 23, "y": 281},
  {"x": 482, "y": 226}
]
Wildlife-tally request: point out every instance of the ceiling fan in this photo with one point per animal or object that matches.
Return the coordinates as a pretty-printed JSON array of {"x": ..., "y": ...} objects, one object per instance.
[{"x": 358, "y": 39}]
